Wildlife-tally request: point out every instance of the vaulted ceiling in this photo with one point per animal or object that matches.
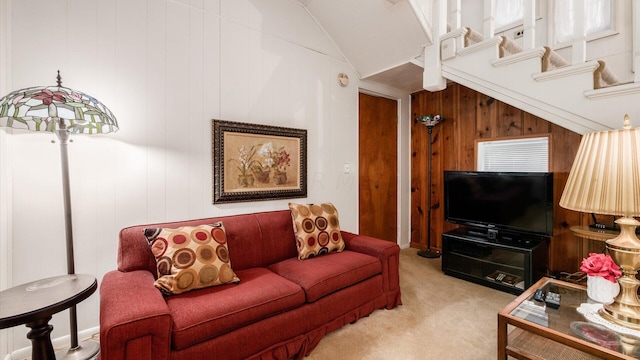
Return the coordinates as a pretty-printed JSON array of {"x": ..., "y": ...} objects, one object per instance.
[{"x": 382, "y": 39}]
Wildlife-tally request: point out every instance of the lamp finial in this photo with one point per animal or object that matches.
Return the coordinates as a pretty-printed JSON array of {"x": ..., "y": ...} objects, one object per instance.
[{"x": 59, "y": 79}]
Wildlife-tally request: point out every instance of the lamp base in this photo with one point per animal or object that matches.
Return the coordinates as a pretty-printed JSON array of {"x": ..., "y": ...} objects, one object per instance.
[
  {"x": 625, "y": 251},
  {"x": 623, "y": 315},
  {"x": 430, "y": 254},
  {"x": 625, "y": 308},
  {"x": 86, "y": 350}
]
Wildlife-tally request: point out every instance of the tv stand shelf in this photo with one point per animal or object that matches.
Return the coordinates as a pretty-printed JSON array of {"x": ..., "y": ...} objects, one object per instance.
[{"x": 510, "y": 264}]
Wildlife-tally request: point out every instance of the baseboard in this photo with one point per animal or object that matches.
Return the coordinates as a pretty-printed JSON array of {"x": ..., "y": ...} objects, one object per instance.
[{"x": 58, "y": 343}]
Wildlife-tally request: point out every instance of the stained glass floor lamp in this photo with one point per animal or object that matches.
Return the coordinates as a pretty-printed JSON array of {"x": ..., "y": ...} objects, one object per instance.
[{"x": 62, "y": 111}]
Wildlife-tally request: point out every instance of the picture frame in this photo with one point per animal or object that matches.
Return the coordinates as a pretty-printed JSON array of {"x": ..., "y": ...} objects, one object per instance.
[{"x": 254, "y": 162}]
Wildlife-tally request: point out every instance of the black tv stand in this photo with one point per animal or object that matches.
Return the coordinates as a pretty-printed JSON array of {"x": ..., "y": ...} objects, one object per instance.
[
  {"x": 477, "y": 233},
  {"x": 507, "y": 263}
]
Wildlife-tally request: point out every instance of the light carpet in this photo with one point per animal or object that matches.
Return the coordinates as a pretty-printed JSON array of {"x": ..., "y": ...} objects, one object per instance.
[{"x": 442, "y": 317}]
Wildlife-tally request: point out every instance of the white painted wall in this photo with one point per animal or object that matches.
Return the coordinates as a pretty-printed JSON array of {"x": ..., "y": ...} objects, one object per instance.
[
  {"x": 165, "y": 68},
  {"x": 6, "y": 260}
]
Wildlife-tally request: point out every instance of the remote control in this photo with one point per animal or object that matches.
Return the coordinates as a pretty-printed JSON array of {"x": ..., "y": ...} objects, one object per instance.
[
  {"x": 539, "y": 295},
  {"x": 552, "y": 300}
]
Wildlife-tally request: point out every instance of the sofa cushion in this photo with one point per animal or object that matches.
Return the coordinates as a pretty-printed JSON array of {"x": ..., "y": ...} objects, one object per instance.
[
  {"x": 316, "y": 228},
  {"x": 190, "y": 257},
  {"x": 325, "y": 274},
  {"x": 207, "y": 313}
]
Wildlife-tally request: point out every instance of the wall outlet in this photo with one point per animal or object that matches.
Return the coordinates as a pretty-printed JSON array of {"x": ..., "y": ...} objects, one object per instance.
[
  {"x": 347, "y": 168},
  {"x": 518, "y": 34}
]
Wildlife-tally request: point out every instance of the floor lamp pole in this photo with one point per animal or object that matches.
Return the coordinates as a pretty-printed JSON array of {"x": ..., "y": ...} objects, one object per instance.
[
  {"x": 428, "y": 253},
  {"x": 89, "y": 349},
  {"x": 430, "y": 122}
]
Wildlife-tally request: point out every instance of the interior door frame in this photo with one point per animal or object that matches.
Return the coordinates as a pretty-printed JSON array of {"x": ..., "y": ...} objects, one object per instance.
[{"x": 403, "y": 151}]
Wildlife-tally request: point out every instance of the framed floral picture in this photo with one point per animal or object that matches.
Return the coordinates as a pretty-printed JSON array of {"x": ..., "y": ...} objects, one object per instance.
[{"x": 258, "y": 162}]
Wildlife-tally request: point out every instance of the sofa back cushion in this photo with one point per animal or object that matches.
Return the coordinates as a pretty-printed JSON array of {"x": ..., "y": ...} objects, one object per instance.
[
  {"x": 316, "y": 228},
  {"x": 254, "y": 240},
  {"x": 190, "y": 257}
]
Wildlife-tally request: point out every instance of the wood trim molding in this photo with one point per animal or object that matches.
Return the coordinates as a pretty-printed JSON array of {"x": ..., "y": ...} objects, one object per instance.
[
  {"x": 487, "y": 44},
  {"x": 521, "y": 56},
  {"x": 602, "y": 93},
  {"x": 589, "y": 66}
]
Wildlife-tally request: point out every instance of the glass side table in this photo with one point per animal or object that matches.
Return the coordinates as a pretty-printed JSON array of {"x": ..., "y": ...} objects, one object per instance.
[{"x": 527, "y": 329}]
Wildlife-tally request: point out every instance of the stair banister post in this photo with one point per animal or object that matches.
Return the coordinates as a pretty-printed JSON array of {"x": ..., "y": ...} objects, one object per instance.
[
  {"x": 489, "y": 23},
  {"x": 432, "y": 79},
  {"x": 529, "y": 24},
  {"x": 635, "y": 13},
  {"x": 456, "y": 15},
  {"x": 579, "y": 48},
  {"x": 455, "y": 20}
]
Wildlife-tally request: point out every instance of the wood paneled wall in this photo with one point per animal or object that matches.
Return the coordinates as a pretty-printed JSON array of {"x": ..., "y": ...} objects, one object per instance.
[{"x": 470, "y": 116}]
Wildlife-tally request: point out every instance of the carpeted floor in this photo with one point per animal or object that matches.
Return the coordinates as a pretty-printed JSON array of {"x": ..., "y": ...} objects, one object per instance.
[{"x": 442, "y": 317}]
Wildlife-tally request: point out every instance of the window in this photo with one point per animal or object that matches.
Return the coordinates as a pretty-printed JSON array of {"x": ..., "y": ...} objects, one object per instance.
[
  {"x": 597, "y": 18},
  {"x": 521, "y": 155},
  {"x": 508, "y": 12}
]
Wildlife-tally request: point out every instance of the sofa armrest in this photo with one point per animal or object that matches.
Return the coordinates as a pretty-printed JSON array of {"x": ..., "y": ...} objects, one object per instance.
[
  {"x": 135, "y": 322},
  {"x": 389, "y": 255}
]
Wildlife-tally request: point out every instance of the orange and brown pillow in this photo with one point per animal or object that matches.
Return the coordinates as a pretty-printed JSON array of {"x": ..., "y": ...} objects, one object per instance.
[
  {"x": 190, "y": 257},
  {"x": 316, "y": 228}
]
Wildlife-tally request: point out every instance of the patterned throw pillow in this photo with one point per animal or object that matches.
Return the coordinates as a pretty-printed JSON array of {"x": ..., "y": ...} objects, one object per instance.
[
  {"x": 316, "y": 228},
  {"x": 190, "y": 257}
]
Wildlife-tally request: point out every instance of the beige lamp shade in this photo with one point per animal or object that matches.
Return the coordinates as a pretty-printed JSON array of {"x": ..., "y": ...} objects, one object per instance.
[{"x": 605, "y": 176}]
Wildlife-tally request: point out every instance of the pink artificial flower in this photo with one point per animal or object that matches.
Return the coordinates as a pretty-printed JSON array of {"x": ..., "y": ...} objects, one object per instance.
[{"x": 601, "y": 265}]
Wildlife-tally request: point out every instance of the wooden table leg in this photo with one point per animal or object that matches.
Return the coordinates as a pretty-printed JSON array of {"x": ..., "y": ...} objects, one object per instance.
[
  {"x": 40, "y": 336},
  {"x": 502, "y": 338}
]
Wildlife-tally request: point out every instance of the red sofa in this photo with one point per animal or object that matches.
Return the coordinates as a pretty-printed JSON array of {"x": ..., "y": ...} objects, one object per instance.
[{"x": 280, "y": 309}]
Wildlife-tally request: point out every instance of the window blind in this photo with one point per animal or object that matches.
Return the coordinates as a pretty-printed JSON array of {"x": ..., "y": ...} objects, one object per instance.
[{"x": 514, "y": 155}]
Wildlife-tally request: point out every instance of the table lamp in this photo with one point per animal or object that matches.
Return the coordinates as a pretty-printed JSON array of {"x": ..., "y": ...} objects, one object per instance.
[
  {"x": 605, "y": 179},
  {"x": 62, "y": 111}
]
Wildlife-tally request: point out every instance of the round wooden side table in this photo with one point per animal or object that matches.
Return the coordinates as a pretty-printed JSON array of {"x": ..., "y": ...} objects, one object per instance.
[
  {"x": 593, "y": 234},
  {"x": 34, "y": 303}
]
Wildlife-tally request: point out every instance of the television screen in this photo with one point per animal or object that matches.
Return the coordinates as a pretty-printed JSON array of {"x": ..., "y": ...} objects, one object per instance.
[{"x": 509, "y": 201}]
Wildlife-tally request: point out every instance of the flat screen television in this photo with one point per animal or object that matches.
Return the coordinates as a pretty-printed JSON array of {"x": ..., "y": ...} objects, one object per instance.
[{"x": 509, "y": 202}]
